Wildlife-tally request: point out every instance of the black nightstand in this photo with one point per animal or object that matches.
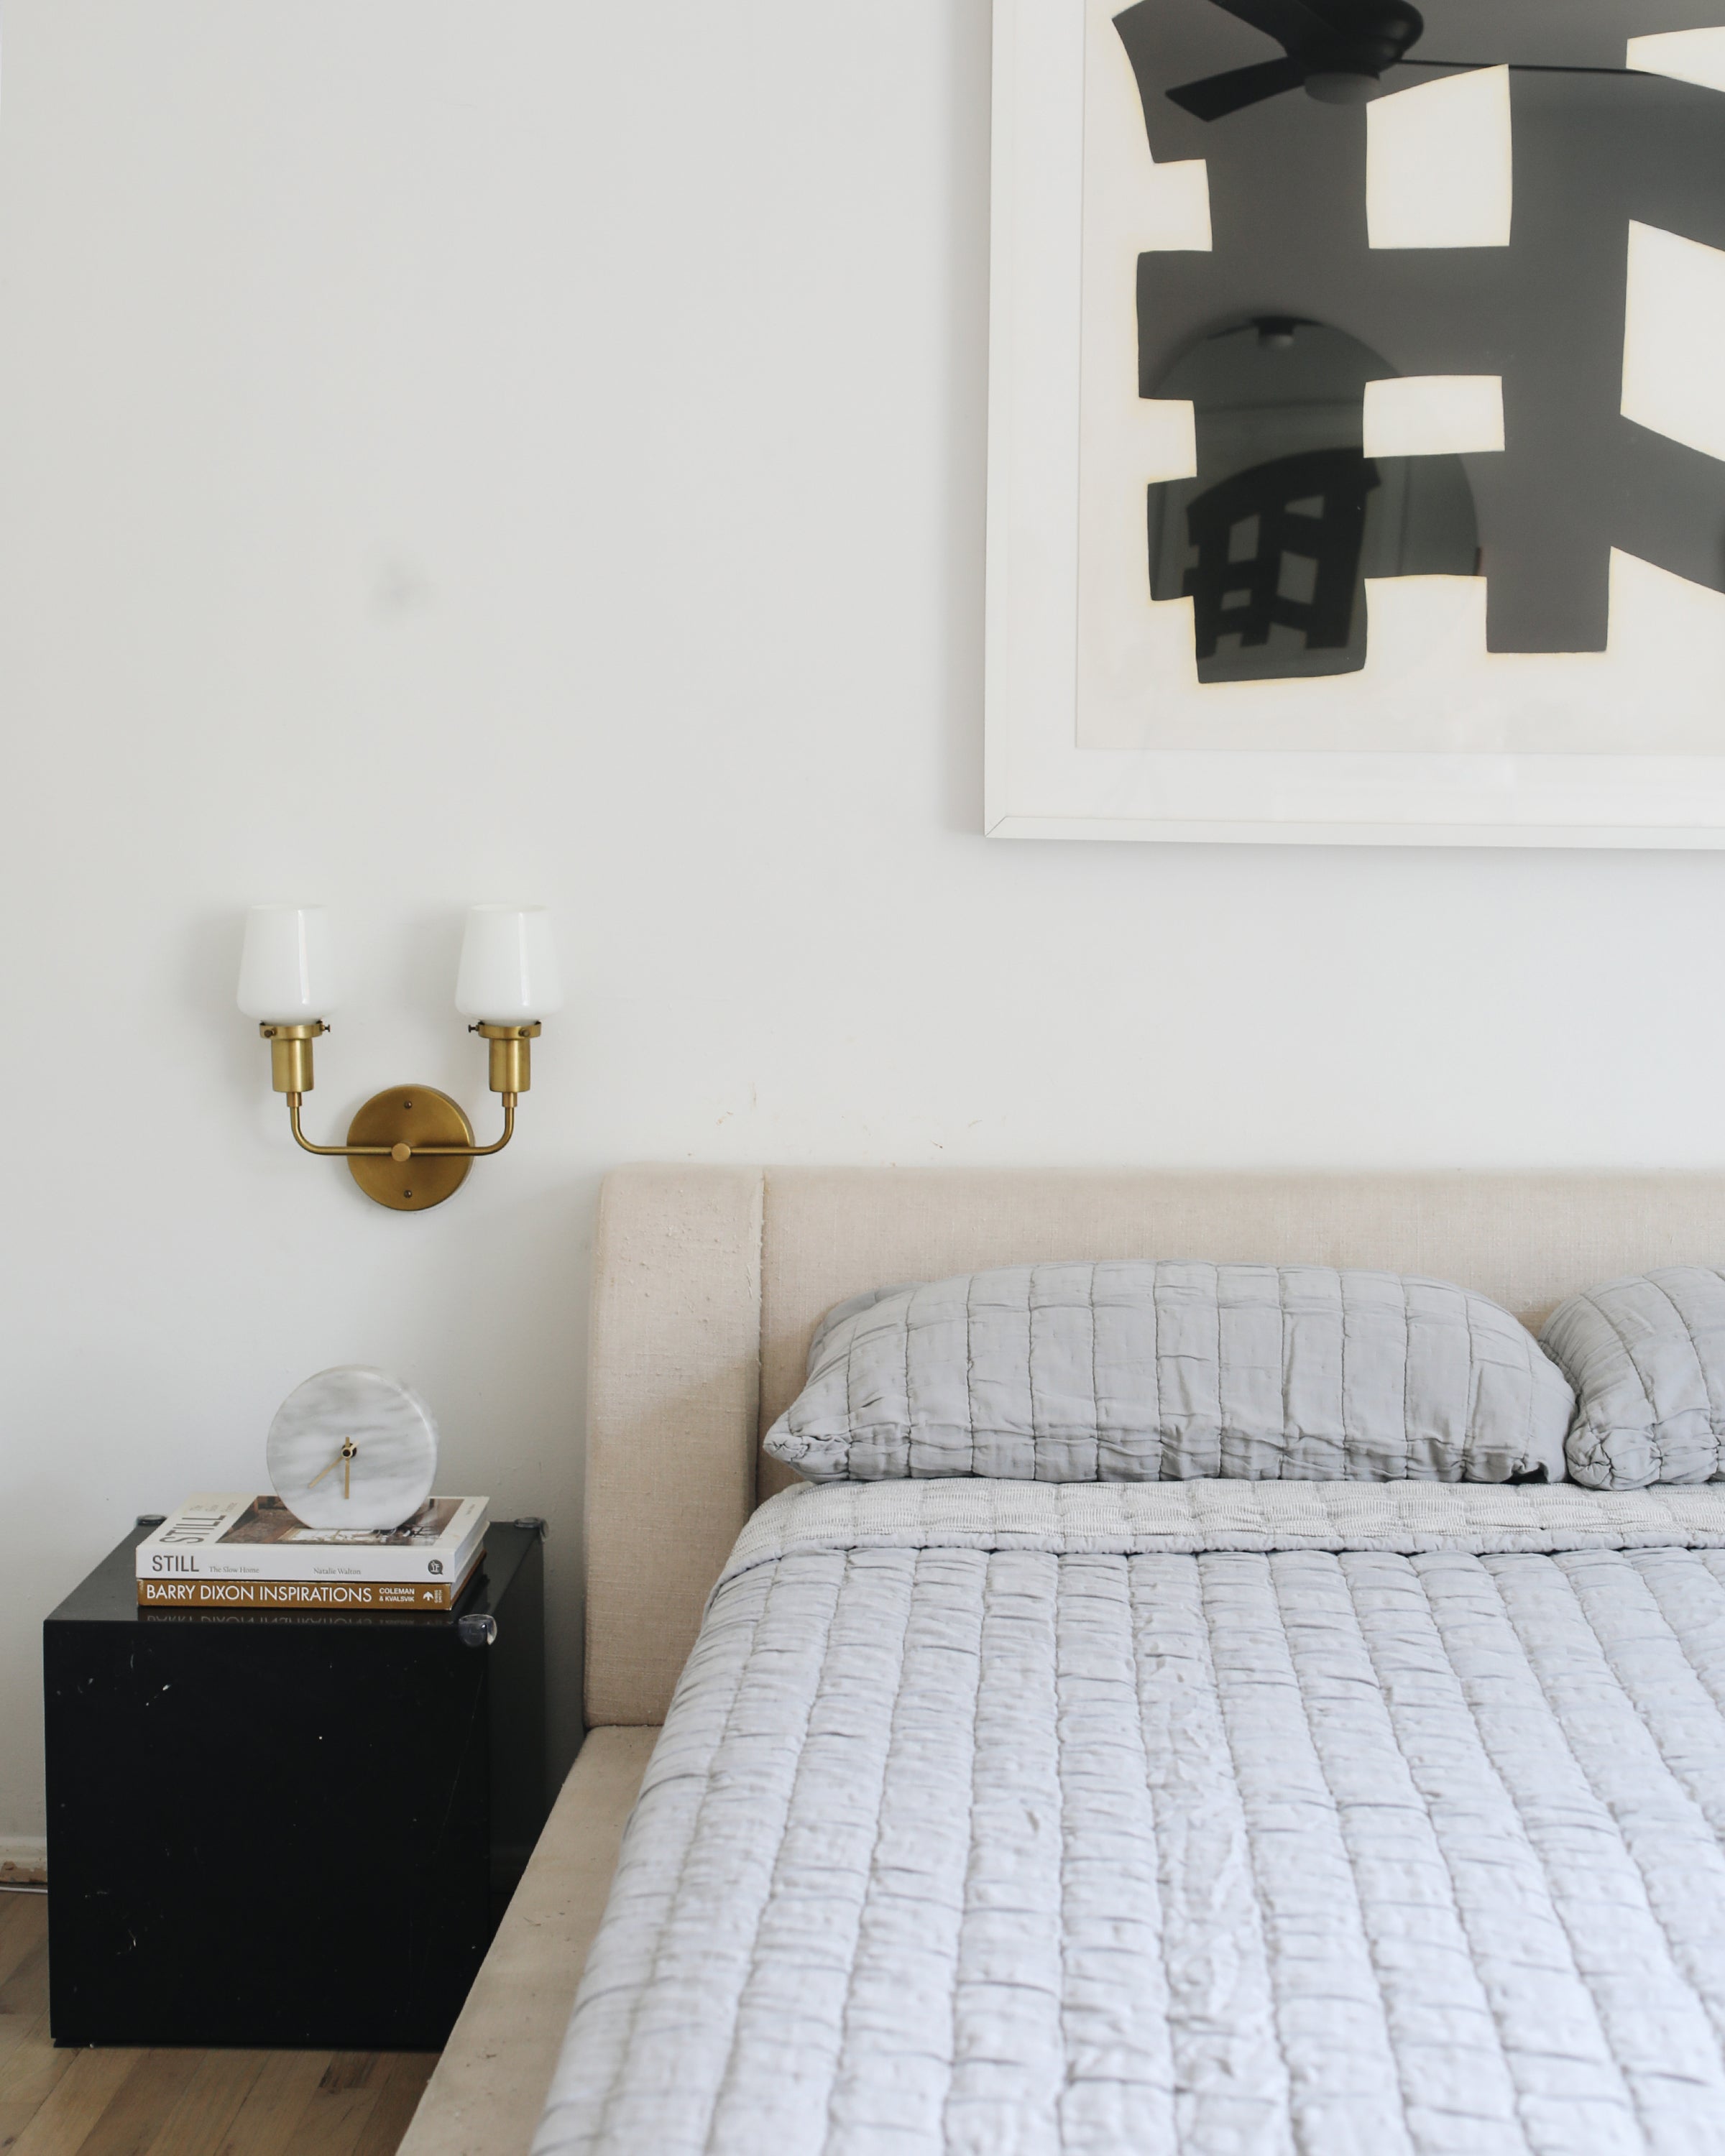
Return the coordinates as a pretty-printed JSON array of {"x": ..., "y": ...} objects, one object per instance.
[{"x": 294, "y": 1829}]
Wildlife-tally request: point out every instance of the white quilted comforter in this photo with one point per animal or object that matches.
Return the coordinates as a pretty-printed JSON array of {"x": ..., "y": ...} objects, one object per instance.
[{"x": 1212, "y": 1818}]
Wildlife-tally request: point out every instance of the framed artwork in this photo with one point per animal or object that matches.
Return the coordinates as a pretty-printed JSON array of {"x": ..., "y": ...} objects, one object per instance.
[{"x": 1357, "y": 422}]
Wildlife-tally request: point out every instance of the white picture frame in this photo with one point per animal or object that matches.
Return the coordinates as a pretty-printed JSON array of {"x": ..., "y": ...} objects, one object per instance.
[{"x": 1039, "y": 782}]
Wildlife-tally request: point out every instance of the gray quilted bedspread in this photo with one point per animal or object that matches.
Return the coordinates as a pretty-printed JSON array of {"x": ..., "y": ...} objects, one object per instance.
[{"x": 986, "y": 1822}]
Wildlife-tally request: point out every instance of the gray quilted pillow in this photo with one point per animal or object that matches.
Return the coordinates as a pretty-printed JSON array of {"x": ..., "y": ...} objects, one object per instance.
[
  {"x": 1646, "y": 1356},
  {"x": 1138, "y": 1372}
]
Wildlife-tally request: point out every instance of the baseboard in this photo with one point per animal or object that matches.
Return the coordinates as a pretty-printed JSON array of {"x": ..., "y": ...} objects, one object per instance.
[{"x": 23, "y": 1862}]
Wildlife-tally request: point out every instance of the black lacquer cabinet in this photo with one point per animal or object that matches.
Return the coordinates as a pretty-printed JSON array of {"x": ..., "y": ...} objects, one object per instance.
[{"x": 295, "y": 1830}]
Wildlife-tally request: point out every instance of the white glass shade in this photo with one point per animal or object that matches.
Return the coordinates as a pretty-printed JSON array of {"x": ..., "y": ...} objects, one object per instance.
[
  {"x": 509, "y": 966},
  {"x": 285, "y": 970}
]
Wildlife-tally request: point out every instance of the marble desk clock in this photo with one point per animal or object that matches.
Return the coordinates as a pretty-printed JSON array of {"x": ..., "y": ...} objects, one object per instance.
[{"x": 352, "y": 1448}]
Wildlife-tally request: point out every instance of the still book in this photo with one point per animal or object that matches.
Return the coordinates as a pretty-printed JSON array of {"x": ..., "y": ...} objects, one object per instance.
[{"x": 227, "y": 1536}]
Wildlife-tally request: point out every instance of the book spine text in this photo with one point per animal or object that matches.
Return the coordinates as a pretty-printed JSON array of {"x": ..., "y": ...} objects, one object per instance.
[{"x": 294, "y": 1594}]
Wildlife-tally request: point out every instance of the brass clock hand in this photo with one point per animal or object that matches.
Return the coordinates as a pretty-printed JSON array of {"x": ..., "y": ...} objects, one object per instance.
[{"x": 344, "y": 1459}]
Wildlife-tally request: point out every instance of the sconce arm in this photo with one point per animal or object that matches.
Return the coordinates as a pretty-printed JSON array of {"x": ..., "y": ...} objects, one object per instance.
[
  {"x": 402, "y": 1152},
  {"x": 471, "y": 1152},
  {"x": 335, "y": 1152}
]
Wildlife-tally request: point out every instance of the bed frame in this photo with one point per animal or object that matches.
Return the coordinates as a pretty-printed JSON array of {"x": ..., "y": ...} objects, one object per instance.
[{"x": 707, "y": 1283}]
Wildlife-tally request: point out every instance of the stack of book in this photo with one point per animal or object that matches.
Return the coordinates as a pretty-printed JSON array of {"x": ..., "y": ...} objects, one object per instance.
[{"x": 228, "y": 1551}]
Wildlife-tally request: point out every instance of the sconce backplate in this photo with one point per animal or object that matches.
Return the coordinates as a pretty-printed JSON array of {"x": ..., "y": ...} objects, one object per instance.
[{"x": 414, "y": 1116}]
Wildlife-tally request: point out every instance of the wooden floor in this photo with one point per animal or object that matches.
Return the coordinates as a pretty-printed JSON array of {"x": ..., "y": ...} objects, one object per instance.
[{"x": 181, "y": 2103}]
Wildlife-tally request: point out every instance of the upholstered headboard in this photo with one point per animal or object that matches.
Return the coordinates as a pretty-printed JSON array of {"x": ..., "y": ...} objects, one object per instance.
[{"x": 708, "y": 1281}]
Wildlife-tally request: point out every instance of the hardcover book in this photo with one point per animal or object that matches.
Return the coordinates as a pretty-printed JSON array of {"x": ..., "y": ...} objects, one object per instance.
[
  {"x": 228, "y": 1535},
  {"x": 434, "y": 1596}
]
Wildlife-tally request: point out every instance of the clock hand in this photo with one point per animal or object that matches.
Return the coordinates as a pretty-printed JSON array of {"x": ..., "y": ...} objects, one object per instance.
[{"x": 344, "y": 1459}]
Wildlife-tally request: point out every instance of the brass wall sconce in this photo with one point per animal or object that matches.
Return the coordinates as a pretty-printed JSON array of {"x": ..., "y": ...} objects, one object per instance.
[{"x": 409, "y": 1147}]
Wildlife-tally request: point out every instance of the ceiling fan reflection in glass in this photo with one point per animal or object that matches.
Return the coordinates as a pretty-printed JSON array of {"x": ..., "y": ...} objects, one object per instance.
[{"x": 1338, "y": 51}]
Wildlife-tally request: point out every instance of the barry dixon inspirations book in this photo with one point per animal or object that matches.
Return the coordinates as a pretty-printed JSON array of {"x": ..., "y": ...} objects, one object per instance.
[{"x": 235, "y": 1549}]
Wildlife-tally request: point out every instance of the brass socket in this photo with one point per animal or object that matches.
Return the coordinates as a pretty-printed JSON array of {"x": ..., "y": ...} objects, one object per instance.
[
  {"x": 290, "y": 1053},
  {"x": 512, "y": 1055}
]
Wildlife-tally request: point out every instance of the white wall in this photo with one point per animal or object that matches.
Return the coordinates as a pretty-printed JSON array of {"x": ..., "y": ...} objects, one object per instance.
[{"x": 533, "y": 447}]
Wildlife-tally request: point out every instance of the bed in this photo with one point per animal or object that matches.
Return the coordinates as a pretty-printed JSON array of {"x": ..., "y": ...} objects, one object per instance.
[{"x": 1198, "y": 1817}]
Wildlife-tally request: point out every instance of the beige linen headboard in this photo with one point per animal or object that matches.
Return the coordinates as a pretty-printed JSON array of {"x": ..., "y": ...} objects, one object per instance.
[{"x": 707, "y": 1283}]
